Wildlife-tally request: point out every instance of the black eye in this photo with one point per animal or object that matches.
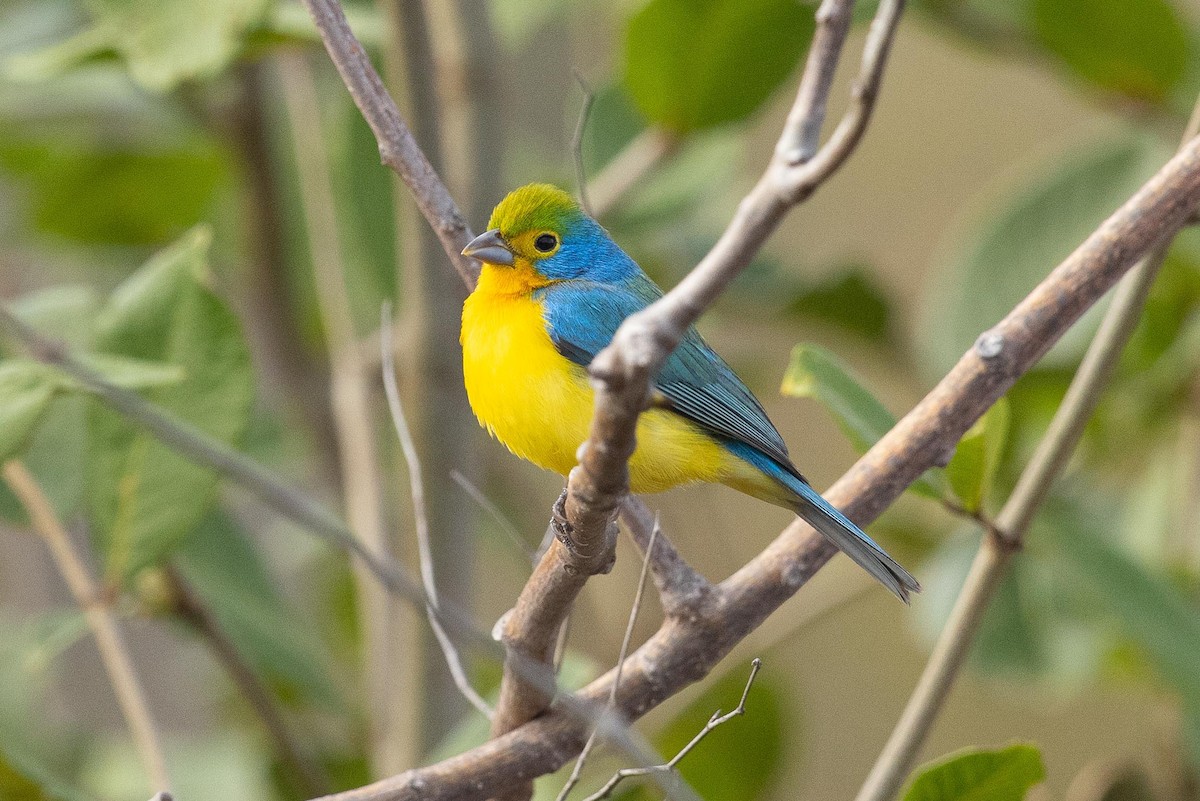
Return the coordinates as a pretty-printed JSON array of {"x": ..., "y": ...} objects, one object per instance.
[{"x": 546, "y": 243}]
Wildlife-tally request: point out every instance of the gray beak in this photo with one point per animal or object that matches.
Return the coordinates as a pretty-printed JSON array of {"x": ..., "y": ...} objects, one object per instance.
[{"x": 490, "y": 247}]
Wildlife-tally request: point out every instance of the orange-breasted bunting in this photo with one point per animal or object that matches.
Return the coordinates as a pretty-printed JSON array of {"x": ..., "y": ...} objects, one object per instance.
[{"x": 553, "y": 289}]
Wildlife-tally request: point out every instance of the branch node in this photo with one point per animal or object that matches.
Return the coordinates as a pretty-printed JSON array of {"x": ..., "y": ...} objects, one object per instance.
[{"x": 990, "y": 344}]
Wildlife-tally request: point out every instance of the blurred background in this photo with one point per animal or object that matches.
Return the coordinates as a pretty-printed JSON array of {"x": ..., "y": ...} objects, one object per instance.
[{"x": 189, "y": 198}]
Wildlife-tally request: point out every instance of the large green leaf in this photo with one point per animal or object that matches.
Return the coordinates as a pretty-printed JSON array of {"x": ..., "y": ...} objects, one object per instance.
[
  {"x": 851, "y": 300},
  {"x": 226, "y": 570},
  {"x": 972, "y": 470},
  {"x": 163, "y": 42},
  {"x": 815, "y": 373},
  {"x": 145, "y": 498},
  {"x": 693, "y": 64},
  {"x": 1139, "y": 48},
  {"x": 1002, "y": 775},
  {"x": 1000, "y": 260},
  {"x": 116, "y": 192}
]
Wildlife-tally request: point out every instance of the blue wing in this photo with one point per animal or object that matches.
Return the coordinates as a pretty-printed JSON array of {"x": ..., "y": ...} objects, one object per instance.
[{"x": 583, "y": 316}]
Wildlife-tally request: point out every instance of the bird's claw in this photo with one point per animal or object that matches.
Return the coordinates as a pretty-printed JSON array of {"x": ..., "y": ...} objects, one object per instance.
[{"x": 558, "y": 521}]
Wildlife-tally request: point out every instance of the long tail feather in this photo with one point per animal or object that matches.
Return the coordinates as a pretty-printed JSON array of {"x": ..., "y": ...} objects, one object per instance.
[{"x": 851, "y": 540}]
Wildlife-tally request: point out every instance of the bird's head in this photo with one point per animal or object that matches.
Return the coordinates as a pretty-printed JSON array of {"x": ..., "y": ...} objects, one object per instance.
[{"x": 539, "y": 235}]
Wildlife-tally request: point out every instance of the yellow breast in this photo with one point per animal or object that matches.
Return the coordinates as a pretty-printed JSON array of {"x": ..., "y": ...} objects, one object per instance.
[{"x": 539, "y": 404}]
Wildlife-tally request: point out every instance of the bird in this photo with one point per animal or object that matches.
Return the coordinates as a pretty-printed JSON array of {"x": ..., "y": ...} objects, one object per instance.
[{"x": 553, "y": 289}]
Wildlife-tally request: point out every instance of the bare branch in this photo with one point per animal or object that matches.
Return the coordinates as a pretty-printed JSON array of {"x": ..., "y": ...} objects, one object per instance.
[
  {"x": 518, "y": 542},
  {"x": 397, "y": 148},
  {"x": 684, "y": 650},
  {"x": 802, "y": 131},
  {"x": 679, "y": 585},
  {"x": 1005, "y": 538},
  {"x": 421, "y": 520},
  {"x": 111, "y": 644},
  {"x": 612, "y": 696},
  {"x": 716, "y": 720}
]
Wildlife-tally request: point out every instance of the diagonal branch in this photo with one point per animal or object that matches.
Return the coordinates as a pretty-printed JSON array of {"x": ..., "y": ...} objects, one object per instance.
[
  {"x": 684, "y": 650},
  {"x": 397, "y": 148},
  {"x": 1006, "y": 538}
]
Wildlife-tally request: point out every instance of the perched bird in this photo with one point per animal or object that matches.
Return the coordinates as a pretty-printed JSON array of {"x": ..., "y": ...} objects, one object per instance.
[{"x": 553, "y": 290}]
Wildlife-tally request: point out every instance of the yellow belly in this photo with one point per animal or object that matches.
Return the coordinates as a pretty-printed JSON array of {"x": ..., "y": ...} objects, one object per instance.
[{"x": 539, "y": 404}]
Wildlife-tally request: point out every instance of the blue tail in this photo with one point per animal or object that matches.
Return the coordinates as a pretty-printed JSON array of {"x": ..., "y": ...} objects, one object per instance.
[{"x": 835, "y": 526}]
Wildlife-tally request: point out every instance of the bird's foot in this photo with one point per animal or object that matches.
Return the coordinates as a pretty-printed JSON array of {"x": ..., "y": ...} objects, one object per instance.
[{"x": 558, "y": 521}]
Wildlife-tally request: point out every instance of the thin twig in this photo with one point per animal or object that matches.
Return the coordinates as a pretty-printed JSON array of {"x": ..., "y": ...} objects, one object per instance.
[
  {"x": 421, "y": 520},
  {"x": 802, "y": 132},
  {"x": 192, "y": 608},
  {"x": 203, "y": 449},
  {"x": 485, "y": 503},
  {"x": 1006, "y": 537},
  {"x": 668, "y": 768},
  {"x": 585, "y": 109},
  {"x": 109, "y": 640},
  {"x": 581, "y": 760}
]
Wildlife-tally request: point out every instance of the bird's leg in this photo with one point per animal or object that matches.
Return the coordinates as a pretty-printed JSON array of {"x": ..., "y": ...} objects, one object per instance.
[{"x": 558, "y": 521}]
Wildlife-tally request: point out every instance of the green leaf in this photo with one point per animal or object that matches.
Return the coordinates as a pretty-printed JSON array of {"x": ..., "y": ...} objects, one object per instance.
[
  {"x": 972, "y": 470},
  {"x": 694, "y": 64},
  {"x": 144, "y": 497},
  {"x": 738, "y": 760},
  {"x": 1003, "y": 257},
  {"x": 227, "y": 571},
  {"x": 23, "y": 779},
  {"x": 26, "y": 389},
  {"x": 164, "y": 42},
  {"x": 1138, "y": 48},
  {"x": 54, "y": 454},
  {"x": 1006, "y": 774},
  {"x": 817, "y": 374},
  {"x": 851, "y": 300},
  {"x": 114, "y": 192},
  {"x": 1157, "y": 615},
  {"x": 66, "y": 312},
  {"x": 130, "y": 373}
]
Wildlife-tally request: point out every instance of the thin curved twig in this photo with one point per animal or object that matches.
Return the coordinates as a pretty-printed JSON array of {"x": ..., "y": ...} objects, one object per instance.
[
  {"x": 421, "y": 519},
  {"x": 668, "y": 768}
]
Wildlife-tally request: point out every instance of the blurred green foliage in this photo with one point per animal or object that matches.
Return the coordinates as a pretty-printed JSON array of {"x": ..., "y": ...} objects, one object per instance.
[
  {"x": 693, "y": 64},
  {"x": 1003, "y": 775},
  {"x": 124, "y": 126}
]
